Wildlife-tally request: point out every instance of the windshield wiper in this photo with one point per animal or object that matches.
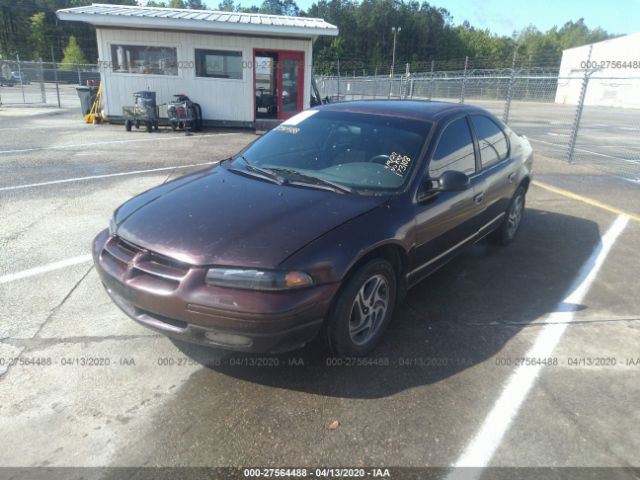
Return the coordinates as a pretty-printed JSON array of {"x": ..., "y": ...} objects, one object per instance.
[
  {"x": 310, "y": 180},
  {"x": 264, "y": 173}
]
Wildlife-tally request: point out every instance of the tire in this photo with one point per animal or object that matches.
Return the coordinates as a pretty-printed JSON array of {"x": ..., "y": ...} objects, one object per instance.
[
  {"x": 137, "y": 124},
  {"x": 199, "y": 116},
  {"x": 127, "y": 125},
  {"x": 370, "y": 292},
  {"x": 174, "y": 126},
  {"x": 506, "y": 233},
  {"x": 149, "y": 126},
  {"x": 156, "y": 125},
  {"x": 193, "y": 123}
]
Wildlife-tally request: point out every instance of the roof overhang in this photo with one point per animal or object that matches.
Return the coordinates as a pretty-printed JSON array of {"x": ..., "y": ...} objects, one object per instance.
[{"x": 198, "y": 21}]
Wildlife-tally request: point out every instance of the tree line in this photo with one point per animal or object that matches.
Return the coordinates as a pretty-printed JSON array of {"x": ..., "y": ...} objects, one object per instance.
[{"x": 31, "y": 30}]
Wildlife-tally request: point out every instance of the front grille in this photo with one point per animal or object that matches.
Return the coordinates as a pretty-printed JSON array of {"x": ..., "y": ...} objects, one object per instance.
[{"x": 140, "y": 267}]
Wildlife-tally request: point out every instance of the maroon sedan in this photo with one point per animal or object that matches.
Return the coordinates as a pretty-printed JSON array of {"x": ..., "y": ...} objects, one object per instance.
[{"x": 317, "y": 228}]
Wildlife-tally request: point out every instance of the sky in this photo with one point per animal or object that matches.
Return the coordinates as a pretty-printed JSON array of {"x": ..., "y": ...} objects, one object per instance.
[{"x": 505, "y": 16}]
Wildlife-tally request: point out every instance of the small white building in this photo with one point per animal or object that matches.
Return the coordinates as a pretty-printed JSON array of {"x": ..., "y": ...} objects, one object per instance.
[
  {"x": 615, "y": 83},
  {"x": 240, "y": 67}
]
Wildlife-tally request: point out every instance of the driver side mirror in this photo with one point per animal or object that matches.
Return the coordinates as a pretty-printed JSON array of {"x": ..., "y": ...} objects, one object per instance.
[
  {"x": 449, "y": 181},
  {"x": 453, "y": 181}
]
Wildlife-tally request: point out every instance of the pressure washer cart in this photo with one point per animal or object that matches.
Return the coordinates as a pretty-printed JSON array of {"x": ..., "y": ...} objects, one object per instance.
[
  {"x": 144, "y": 112},
  {"x": 183, "y": 113}
]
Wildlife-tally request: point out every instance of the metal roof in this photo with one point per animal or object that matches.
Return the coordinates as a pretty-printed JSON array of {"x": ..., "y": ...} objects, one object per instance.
[{"x": 198, "y": 20}]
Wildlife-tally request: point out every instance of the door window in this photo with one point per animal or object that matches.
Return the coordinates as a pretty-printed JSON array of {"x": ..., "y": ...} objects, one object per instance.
[
  {"x": 492, "y": 140},
  {"x": 290, "y": 85},
  {"x": 454, "y": 150}
]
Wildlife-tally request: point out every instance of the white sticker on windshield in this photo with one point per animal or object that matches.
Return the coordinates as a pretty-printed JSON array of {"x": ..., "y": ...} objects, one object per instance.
[
  {"x": 296, "y": 119},
  {"x": 287, "y": 129},
  {"x": 397, "y": 163}
]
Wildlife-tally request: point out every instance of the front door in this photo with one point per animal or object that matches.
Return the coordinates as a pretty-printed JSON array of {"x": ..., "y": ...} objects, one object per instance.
[
  {"x": 278, "y": 83},
  {"x": 447, "y": 220},
  {"x": 291, "y": 83}
]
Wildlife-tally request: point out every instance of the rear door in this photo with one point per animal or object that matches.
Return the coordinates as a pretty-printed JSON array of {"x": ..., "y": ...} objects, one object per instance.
[
  {"x": 497, "y": 169},
  {"x": 446, "y": 220}
]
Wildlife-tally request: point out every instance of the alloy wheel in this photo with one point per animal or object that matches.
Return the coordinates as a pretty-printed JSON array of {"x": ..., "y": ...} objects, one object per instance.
[
  {"x": 369, "y": 309},
  {"x": 515, "y": 215}
]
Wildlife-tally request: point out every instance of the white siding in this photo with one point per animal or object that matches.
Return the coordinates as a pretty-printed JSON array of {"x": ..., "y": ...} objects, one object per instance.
[
  {"x": 221, "y": 99},
  {"x": 622, "y": 89}
]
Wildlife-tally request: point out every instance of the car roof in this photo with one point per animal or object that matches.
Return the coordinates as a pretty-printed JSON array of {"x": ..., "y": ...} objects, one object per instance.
[{"x": 423, "y": 110}]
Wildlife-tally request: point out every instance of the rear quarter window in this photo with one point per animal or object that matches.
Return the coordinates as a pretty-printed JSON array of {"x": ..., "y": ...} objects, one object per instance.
[{"x": 492, "y": 140}]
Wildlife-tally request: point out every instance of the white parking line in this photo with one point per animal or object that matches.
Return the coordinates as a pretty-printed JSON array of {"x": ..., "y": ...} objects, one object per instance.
[
  {"x": 106, "y": 175},
  {"x": 484, "y": 444},
  {"x": 112, "y": 142},
  {"x": 11, "y": 277}
]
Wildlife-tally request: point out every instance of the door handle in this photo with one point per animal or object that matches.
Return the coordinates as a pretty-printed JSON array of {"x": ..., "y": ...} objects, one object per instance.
[
  {"x": 478, "y": 198},
  {"x": 512, "y": 177}
]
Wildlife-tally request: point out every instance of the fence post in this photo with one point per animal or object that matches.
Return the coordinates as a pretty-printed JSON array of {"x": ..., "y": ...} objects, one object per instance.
[
  {"x": 338, "y": 95},
  {"x": 43, "y": 94},
  {"x": 507, "y": 105},
  {"x": 407, "y": 79},
  {"x": 576, "y": 121},
  {"x": 433, "y": 62},
  {"x": 464, "y": 79},
  {"x": 79, "y": 74},
  {"x": 55, "y": 76},
  {"x": 21, "y": 79}
]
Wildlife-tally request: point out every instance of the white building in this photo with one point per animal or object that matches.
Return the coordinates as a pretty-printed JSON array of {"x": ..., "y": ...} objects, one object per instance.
[
  {"x": 616, "y": 82},
  {"x": 239, "y": 67}
]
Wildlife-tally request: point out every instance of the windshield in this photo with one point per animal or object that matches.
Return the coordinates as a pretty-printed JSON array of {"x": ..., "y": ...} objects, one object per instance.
[{"x": 355, "y": 150}]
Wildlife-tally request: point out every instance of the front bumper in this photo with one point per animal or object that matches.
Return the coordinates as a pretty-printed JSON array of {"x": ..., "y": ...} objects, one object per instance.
[{"x": 173, "y": 299}]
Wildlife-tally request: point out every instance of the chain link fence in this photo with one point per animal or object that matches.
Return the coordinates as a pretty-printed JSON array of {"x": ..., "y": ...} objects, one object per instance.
[
  {"x": 583, "y": 115},
  {"x": 43, "y": 83},
  {"x": 580, "y": 116}
]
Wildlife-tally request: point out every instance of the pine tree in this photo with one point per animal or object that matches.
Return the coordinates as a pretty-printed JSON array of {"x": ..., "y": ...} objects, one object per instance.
[{"x": 72, "y": 55}]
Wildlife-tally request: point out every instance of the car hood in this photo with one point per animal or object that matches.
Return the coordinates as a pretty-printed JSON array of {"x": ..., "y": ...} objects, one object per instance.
[{"x": 219, "y": 217}]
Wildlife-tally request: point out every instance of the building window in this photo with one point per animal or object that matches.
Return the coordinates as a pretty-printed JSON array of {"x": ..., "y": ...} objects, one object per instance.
[
  {"x": 144, "y": 60},
  {"x": 218, "y": 64}
]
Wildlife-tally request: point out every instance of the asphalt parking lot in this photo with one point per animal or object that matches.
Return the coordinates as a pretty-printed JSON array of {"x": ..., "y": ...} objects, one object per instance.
[{"x": 525, "y": 356}]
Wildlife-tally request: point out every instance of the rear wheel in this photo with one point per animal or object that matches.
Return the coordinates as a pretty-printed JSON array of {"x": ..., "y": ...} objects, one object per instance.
[
  {"x": 198, "y": 109},
  {"x": 363, "y": 310},
  {"x": 506, "y": 233},
  {"x": 127, "y": 125}
]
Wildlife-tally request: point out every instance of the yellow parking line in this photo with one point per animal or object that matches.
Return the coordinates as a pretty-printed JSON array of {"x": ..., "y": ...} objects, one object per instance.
[{"x": 587, "y": 200}]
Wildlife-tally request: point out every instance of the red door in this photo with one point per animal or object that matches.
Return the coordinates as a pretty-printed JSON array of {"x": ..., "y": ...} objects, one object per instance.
[{"x": 290, "y": 83}]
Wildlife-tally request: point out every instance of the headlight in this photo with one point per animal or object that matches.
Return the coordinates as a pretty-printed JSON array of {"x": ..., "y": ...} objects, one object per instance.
[
  {"x": 112, "y": 226},
  {"x": 257, "y": 279}
]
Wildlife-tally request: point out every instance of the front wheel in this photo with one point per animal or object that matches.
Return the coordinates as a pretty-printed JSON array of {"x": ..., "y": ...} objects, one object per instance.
[
  {"x": 362, "y": 310},
  {"x": 506, "y": 233}
]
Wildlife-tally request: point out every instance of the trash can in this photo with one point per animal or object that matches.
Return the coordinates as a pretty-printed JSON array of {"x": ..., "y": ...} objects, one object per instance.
[{"x": 87, "y": 96}]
